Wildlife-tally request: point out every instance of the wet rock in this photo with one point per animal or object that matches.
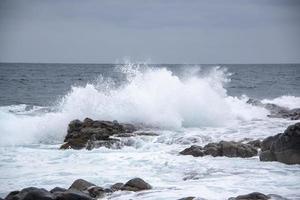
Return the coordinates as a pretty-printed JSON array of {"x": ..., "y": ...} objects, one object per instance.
[
  {"x": 116, "y": 186},
  {"x": 223, "y": 148},
  {"x": 277, "y": 111},
  {"x": 94, "y": 133},
  {"x": 73, "y": 195},
  {"x": 30, "y": 193},
  {"x": 87, "y": 188},
  {"x": 283, "y": 147},
  {"x": 255, "y": 143},
  {"x": 257, "y": 196},
  {"x": 187, "y": 198},
  {"x": 58, "y": 189},
  {"x": 136, "y": 184}
]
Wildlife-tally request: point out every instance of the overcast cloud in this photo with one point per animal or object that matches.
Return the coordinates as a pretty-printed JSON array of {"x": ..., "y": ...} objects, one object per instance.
[{"x": 166, "y": 31}]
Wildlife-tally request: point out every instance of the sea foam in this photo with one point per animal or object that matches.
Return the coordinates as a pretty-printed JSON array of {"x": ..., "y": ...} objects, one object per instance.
[{"x": 150, "y": 95}]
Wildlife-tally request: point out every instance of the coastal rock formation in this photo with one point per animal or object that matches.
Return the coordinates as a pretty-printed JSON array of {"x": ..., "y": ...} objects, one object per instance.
[
  {"x": 257, "y": 196},
  {"x": 283, "y": 147},
  {"x": 277, "y": 111},
  {"x": 79, "y": 190},
  {"x": 223, "y": 148},
  {"x": 93, "y": 134}
]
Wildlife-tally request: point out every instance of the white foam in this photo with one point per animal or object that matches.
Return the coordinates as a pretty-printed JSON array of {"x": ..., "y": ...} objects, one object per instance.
[
  {"x": 152, "y": 96},
  {"x": 285, "y": 101}
]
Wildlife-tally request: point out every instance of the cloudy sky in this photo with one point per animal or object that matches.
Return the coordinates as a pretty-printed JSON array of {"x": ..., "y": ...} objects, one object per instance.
[{"x": 165, "y": 31}]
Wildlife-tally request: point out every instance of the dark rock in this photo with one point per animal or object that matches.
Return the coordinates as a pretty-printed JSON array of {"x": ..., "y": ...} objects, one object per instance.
[
  {"x": 283, "y": 147},
  {"x": 81, "y": 185},
  {"x": 277, "y": 111},
  {"x": 58, "y": 189},
  {"x": 194, "y": 150},
  {"x": 251, "y": 196},
  {"x": 136, "y": 184},
  {"x": 116, "y": 186},
  {"x": 223, "y": 148},
  {"x": 187, "y": 198},
  {"x": 255, "y": 143},
  {"x": 258, "y": 196},
  {"x": 30, "y": 193},
  {"x": 93, "y": 134},
  {"x": 73, "y": 195}
]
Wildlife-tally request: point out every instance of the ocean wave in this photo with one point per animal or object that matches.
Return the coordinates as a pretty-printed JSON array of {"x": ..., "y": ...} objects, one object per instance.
[{"x": 152, "y": 96}]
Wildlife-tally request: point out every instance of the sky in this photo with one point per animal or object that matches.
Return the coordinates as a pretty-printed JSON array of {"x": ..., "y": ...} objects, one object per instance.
[{"x": 153, "y": 31}]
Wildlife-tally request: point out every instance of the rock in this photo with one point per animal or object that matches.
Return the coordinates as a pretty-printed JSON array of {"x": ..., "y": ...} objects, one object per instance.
[
  {"x": 58, "y": 189},
  {"x": 257, "y": 196},
  {"x": 223, "y": 148},
  {"x": 251, "y": 196},
  {"x": 94, "y": 133},
  {"x": 87, "y": 188},
  {"x": 277, "y": 111},
  {"x": 283, "y": 147},
  {"x": 81, "y": 185},
  {"x": 187, "y": 198},
  {"x": 136, "y": 184},
  {"x": 73, "y": 195},
  {"x": 194, "y": 150},
  {"x": 30, "y": 193},
  {"x": 255, "y": 143},
  {"x": 116, "y": 186}
]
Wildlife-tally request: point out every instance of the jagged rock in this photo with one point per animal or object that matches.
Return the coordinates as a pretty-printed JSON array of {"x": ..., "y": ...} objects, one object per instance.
[
  {"x": 136, "y": 184},
  {"x": 93, "y": 134},
  {"x": 277, "y": 111},
  {"x": 223, "y": 148},
  {"x": 283, "y": 147}
]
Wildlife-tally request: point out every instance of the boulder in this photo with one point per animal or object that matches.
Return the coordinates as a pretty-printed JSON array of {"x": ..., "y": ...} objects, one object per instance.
[
  {"x": 94, "y": 133},
  {"x": 283, "y": 147},
  {"x": 87, "y": 188},
  {"x": 223, "y": 148},
  {"x": 136, "y": 184},
  {"x": 257, "y": 196},
  {"x": 73, "y": 195},
  {"x": 30, "y": 193}
]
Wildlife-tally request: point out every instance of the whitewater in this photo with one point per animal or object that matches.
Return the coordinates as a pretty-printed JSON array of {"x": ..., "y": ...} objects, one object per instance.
[{"x": 191, "y": 108}]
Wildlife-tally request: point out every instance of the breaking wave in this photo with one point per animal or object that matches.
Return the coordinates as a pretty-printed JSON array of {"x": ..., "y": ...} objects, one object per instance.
[{"x": 150, "y": 95}]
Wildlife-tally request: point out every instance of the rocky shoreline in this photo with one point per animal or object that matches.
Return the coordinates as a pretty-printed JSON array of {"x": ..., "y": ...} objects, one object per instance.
[
  {"x": 79, "y": 190},
  {"x": 89, "y": 134}
]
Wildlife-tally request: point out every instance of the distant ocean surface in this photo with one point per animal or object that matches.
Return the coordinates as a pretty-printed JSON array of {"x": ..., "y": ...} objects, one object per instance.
[
  {"x": 42, "y": 84},
  {"x": 185, "y": 104}
]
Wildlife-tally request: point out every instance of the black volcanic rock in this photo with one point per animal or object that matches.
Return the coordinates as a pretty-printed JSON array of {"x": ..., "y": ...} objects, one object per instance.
[
  {"x": 223, "y": 148},
  {"x": 283, "y": 147},
  {"x": 94, "y": 133}
]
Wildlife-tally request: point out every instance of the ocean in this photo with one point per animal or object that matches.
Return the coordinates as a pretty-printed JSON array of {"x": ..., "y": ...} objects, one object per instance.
[{"x": 185, "y": 104}]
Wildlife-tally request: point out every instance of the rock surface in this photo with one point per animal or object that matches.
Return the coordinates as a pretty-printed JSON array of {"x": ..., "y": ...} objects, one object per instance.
[
  {"x": 257, "y": 196},
  {"x": 79, "y": 190},
  {"x": 283, "y": 147},
  {"x": 94, "y": 133},
  {"x": 223, "y": 148},
  {"x": 277, "y": 111}
]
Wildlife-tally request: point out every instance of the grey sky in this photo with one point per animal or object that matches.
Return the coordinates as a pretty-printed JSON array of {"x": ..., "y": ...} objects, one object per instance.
[{"x": 165, "y": 31}]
